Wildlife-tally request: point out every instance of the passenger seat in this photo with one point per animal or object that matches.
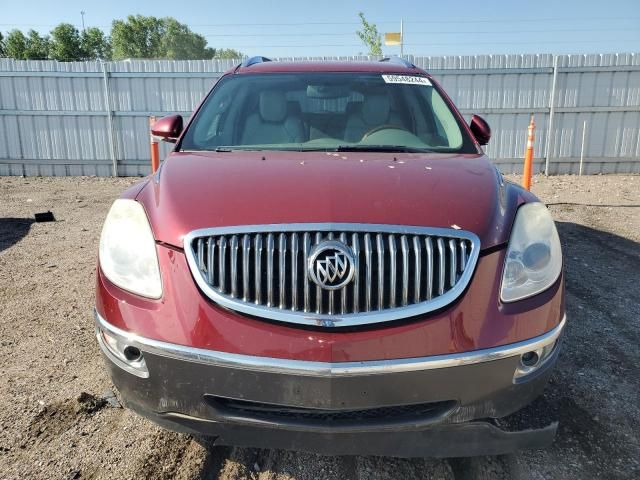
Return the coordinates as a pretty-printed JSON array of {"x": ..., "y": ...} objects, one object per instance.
[{"x": 274, "y": 122}]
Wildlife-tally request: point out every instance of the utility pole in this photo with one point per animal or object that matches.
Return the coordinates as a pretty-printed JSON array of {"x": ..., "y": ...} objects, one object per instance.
[
  {"x": 82, "y": 14},
  {"x": 401, "y": 40}
]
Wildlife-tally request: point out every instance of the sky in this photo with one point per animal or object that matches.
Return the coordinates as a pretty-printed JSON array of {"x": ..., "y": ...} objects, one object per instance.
[{"x": 327, "y": 27}]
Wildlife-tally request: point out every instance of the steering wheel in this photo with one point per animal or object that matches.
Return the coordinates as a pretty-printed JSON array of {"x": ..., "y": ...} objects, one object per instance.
[{"x": 384, "y": 127}]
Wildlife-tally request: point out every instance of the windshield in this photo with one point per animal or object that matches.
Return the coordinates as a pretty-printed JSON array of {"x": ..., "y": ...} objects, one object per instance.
[{"x": 326, "y": 111}]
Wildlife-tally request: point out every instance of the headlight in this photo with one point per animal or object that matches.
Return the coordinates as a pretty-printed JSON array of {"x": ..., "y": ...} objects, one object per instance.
[
  {"x": 534, "y": 257},
  {"x": 128, "y": 255}
]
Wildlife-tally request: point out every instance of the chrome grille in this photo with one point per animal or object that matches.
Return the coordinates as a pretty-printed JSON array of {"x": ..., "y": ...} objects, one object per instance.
[{"x": 399, "y": 271}]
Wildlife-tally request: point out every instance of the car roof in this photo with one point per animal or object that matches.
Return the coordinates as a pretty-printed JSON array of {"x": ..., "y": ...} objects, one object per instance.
[{"x": 329, "y": 66}]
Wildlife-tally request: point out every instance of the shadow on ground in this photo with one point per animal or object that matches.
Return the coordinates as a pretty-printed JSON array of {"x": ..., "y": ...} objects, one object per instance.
[{"x": 12, "y": 230}]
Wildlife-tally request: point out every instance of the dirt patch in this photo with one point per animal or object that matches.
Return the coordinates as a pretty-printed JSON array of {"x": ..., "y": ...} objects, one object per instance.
[{"x": 48, "y": 354}]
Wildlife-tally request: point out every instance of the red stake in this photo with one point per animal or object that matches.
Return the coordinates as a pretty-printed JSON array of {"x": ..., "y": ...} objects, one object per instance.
[
  {"x": 528, "y": 156},
  {"x": 155, "y": 150}
]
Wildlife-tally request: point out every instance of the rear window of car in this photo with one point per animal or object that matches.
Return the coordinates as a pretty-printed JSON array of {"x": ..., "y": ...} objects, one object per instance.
[{"x": 326, "y": 111}]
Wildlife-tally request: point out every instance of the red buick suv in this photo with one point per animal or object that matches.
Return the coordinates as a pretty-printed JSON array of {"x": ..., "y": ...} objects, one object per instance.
[{"x": 328, "y": 262}]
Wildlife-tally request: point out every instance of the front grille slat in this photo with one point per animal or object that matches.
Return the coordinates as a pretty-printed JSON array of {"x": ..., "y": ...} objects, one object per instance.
[
  {"x": 211, "y": 246},
  {"x": 331, "y": 293},
  {"x": 234, "y": 265},
  {"x": 258, "y": 268},
  {"x": 404, "y": 245},
  {"x": 246, "y": 265},
  {"x": 393, "y": 270},
  {"x": 201, "y": 254},
  {"x": 380, "y": 254},
  {"x": 441, "y": 265},
  {"x": 222, "y": 270},
  {"x": 368, "y": 252},
  {"x": 294, "y": 271},
  {"x": 453, "y": 267},
  {"x": 270, "y": 252},
  {"x": 355, "y": 246},
  {"x": 463, "y": 256},
  {"x": 282, "y": 258},
  {"x": 343, "y": 291},
  {"x": 318, "y": 289},
  {"x": 428, "y": 244},
  {"x": 306, "y": 249}
]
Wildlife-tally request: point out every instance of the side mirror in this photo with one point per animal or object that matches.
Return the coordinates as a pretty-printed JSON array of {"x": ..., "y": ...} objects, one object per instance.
[
  {"x": 168, "y": 128},
  {"x": 480, "y": 129}
]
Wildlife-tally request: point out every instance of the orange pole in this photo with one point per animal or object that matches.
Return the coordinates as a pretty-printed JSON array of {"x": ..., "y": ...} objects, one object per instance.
[
  {"x": 155, "y": 150},
  {"x": 528, "y": 156}
]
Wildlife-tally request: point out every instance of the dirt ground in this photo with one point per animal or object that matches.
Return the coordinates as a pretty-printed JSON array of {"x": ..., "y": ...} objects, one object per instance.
[{"x": 58, "y": 420}]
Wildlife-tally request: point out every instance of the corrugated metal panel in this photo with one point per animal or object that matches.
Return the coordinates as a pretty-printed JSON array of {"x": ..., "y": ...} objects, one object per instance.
[{"x": 54, "y": 121}]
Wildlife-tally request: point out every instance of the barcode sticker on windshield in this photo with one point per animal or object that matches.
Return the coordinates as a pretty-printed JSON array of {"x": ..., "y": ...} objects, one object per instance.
[{"x": 408, "y": 79}]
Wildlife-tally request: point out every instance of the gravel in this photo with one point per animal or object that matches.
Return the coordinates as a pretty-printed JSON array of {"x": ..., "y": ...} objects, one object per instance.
[{"x": 60, "y": 419}]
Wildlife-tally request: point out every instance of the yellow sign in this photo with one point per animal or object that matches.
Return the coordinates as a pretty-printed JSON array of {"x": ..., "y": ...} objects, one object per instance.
[{"x": 393, "y": 38}]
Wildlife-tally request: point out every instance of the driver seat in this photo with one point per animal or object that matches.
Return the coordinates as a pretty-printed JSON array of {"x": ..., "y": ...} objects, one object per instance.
[
  {"x": 373, "y": 112},
  {"x": 274, "y": 122}
]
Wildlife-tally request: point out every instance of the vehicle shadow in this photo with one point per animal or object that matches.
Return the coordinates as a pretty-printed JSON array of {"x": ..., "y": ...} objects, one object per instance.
[
  {"x": 592, "y": 393},
  {"x": 12, "y": 230}
]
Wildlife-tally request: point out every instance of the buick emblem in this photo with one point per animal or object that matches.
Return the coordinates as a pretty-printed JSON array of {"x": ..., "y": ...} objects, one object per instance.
[{"x": 331, "y": 265}]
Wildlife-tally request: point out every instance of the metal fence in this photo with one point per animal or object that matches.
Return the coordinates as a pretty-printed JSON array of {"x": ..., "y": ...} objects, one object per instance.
[{"x": 88, "y": 118}]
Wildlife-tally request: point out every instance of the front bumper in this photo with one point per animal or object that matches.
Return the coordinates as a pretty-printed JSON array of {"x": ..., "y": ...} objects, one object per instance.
[{"x": 426, "y": 406}]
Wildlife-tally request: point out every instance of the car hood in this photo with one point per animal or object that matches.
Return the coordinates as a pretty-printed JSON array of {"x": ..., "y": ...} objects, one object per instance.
[{"x": 209, "y": 189}]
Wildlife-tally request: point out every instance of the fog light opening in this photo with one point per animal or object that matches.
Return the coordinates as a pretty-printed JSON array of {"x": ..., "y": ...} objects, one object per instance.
[
  {"x": 529, "y": 359},
  {"x": 132, "y": 354}
]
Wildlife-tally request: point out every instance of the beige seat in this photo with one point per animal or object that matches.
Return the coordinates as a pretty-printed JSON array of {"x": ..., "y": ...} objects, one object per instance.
[
  {"x": 274, "y": 122},
  {"x": 373, "y": 112}
]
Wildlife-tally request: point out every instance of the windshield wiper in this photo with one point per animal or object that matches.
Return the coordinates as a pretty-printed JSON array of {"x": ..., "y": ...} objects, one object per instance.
[{"x": 380, "y": 148}]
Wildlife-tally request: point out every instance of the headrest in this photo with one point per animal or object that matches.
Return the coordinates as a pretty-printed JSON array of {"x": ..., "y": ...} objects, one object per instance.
[
  {"x": 375, "y": 109},
  {"x": 273, "y": 105}
]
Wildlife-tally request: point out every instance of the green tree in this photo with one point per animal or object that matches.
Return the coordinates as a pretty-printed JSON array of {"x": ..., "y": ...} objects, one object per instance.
[
  {"x": 16, "y": 45},
  {"x": 226, "y": 53},
  {"x": 65, "y": 43},
  {"x": 95, "y": 44},
  {"x": 37, "y": 47},
  {"x": 150, "y": 37},
  {"x": 136, "y": 37},
  {"x": 179, "y": 42},
  {"x": 1, "y": 45},
  {"x": 370, "y": 36}
]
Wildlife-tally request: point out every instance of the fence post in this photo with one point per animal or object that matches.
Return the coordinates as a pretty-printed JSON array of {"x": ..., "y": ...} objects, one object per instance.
[
  {"x": 109, "y": 112},
  {"x": 552, "y": 107}
]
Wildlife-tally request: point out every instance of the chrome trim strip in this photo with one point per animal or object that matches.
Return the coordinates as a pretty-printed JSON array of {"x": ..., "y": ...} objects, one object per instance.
[
  {"x": 330, "y": 369},
  {"x": 336, "y": 319}
]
